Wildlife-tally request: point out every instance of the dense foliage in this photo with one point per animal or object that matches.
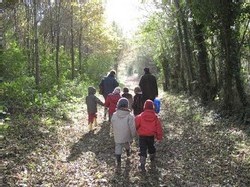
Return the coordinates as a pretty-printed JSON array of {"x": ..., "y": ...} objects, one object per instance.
[
  {"x": 51, "y": 51},
  {"x": 202, "y": 48}
]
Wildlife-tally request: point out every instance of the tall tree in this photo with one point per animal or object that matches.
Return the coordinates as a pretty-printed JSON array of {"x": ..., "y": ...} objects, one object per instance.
[
  {"x": 36, "y": 44},
  {"x": 58, "y": 20},
  {"x": 27, "y": 37},
  {"x": 186, "y": 44},
  {"x": 204, "y": 76},
  {"x": 72, "y": 40}
]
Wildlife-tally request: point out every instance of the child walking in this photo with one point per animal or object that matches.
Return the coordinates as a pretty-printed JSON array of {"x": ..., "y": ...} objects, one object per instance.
[
  {"x": 92, "y": 101},
  {"x": 137, "y": 101},
  {"x": 123, "y": 128},
  {"x": 111, "y": 101},
  {"x": 129, "y": 96},
  {"x": 149, "y": 128},
  {"x": 157, "y": 103}
]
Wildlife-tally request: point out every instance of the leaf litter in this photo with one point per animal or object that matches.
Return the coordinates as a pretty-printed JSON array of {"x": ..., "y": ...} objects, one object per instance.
[{"x": 199, "y": 149}]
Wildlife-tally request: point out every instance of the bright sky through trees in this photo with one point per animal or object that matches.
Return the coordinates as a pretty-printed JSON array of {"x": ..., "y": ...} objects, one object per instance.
[{"x": 126, "y": 13}]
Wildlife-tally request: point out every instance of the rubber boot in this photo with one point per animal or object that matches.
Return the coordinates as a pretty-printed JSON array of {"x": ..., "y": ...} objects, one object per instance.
[
  {"x": 118, "y": 160},
  {"x": 142, "y": 163},
  {"x": 128, "y": 152},
  {"x": 105, "y": 113},
  {"x": 152, "y": 157},
  {"x": 90, "y": 126},
  {"x": 94, "y": 123}
]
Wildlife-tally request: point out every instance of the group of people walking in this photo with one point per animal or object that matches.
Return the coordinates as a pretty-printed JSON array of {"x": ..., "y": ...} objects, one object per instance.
[{"x": 143, "y": 121}]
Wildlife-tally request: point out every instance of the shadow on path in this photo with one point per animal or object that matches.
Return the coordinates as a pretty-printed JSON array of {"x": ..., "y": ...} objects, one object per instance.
[{"x": 97, "y": 141}]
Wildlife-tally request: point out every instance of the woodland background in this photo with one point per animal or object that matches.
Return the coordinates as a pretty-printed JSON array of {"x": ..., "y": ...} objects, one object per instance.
[{"x": 52, "y": 50}]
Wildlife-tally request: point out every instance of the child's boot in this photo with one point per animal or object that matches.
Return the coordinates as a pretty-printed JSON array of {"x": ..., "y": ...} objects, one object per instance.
[
  {"x": 94, "y": 123},
  {"x": 90, "y": 126},
  {"x": 142, "y": 163},
  {"x": 128, "y": 152},
  {"x": 105, "y": 113},
  {"x": 118, "y": 160}
]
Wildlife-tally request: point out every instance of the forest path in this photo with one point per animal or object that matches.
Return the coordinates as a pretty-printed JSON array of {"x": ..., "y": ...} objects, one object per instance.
[{"x": 200, "y": 148}]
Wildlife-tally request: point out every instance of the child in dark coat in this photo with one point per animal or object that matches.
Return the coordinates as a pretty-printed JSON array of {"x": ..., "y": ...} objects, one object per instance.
[
  {"x": 129, "y": 96},
  {"x": 149, "y": 128},
  {"x": 137, "y": 101},
  {"x": 92, "y": 101}
]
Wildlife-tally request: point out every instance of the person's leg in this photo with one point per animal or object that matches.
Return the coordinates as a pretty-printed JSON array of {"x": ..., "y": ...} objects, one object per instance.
[
  {"x": 90, "y": 120},
  {"x": 127, "y": 147},
  {"x": 105, "y": 109},
  {"x": 143, "y": 152},
  {"x": 94, "y": 121},
  {"x": 118, "y": 153},
  {"x": 151, "y": 148},
  {"x": 110, "y": 116}
]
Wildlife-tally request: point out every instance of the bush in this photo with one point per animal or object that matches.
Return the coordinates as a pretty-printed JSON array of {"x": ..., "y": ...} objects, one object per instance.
[{"x": 19, "y": 93}]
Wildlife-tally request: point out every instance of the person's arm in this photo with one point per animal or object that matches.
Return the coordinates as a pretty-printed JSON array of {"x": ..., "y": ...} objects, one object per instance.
[
  {"x": 141, "y": 82},
  {"x": 101, "y": 87},
  {"x": 107, "y": 101},
  {"x": 131, "y": 124},
  {"x": 156, "y": 87},
  {"x": 99, "y": 101},
  {"x": 137, "y": 122},
  {"x": 116, "y": 83}
]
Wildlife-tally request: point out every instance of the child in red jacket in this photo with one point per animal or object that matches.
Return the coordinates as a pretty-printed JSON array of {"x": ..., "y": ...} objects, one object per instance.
[
  {"x": 149, "y": 128},
  {"x": 112, "y": 100}
]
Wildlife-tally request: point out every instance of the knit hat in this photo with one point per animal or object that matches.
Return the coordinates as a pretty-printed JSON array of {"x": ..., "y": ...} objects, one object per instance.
[
  {"x": 122, "y": 103},
  {"x": 112, "y": 72},
  {"x": 148, "y": 105},
  {"x": 117, "y": 90}
]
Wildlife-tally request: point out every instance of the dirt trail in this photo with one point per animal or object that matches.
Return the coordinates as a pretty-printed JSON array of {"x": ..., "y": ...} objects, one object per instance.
[{"x": 199, "y": 149}]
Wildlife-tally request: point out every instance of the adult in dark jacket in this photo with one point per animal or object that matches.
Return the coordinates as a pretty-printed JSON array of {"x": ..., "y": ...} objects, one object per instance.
[
  {"x": 107, "y": 86},
  {"x": 148, "y": 85}
]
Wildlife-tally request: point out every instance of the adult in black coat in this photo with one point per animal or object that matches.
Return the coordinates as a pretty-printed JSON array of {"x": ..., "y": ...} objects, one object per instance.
[
  {"x": 107, "y": 86},
  {"x": 148, "y": 85}
]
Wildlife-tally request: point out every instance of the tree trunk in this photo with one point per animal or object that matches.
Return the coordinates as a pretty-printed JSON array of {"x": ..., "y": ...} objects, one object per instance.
[
  {"x": 72, "y": 44},
  {"x": 36, "y": 47},
  {"x": 213, "y": 67},
  {"x": 58, "y": 5},
  {"x": 183, "y": 59},
  {"x": 28, "y": 46},
  {"x": 204, "y": 77},
  {"x": 16, "y": 26},
  {"x": 237, "y": 66},
  {"x": 226, "y": 35},
  {"x": 80, "y": 39},
  {"x": 52, "y": 35},
  {"x": 185, "y": 46},
  {"x": 179, "y": 76}
]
